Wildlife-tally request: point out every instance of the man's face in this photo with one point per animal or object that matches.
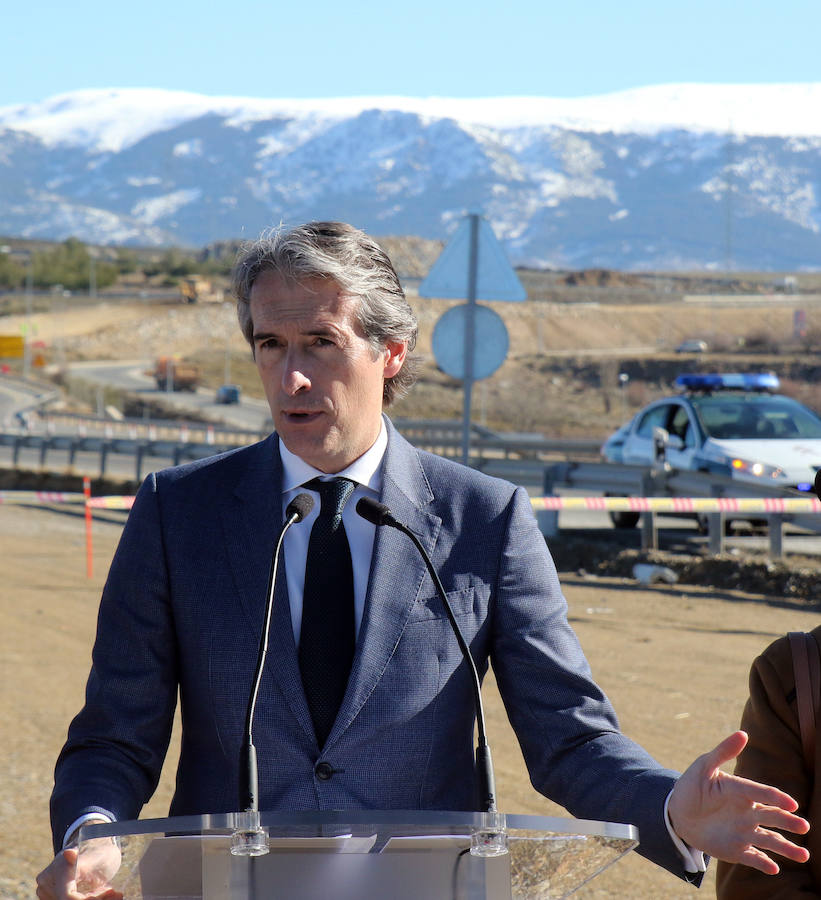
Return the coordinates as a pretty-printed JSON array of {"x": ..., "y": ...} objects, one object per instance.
[{"x": 322, "y": 378}]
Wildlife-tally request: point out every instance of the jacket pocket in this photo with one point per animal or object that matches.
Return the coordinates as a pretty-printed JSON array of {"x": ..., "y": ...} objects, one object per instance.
[{"x": 463, "y": 602}]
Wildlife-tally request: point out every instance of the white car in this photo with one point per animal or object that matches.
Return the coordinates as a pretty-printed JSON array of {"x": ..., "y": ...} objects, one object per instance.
[
  {"x": 724, "y": 423},
  {"x": 692, "y": 345}
]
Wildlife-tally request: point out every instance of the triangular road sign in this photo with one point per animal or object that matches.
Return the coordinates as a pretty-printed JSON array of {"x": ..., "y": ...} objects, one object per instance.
[{"x": 495, "y": 277}]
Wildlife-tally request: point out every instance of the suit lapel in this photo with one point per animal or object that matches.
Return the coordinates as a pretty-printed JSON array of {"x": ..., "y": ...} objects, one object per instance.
[
  {"x": 396, "y": 575},
  {"x": 252, "y": 519}
]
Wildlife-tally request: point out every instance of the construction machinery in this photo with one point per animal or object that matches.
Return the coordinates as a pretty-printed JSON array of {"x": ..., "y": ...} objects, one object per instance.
[
  {"x": 199, "y": 290},
  {"x": 172, "y": 374}
]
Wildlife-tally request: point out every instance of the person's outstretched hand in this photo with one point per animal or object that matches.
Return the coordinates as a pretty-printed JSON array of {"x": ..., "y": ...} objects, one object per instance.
[
  {"x": 67, "y": 877},
  {"x": 733, "y": 818}
]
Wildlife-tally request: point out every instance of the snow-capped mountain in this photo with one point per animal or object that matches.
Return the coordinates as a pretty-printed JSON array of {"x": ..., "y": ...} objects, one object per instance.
[{"x": 682, "y": 176}]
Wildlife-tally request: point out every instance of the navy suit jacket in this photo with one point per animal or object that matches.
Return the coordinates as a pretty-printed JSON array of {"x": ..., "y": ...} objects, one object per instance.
[{"x": 182, "y": 610}]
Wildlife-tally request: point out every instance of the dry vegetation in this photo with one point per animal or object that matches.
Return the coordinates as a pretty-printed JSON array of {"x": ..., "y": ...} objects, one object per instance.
[{"x": 568, "y": 345}]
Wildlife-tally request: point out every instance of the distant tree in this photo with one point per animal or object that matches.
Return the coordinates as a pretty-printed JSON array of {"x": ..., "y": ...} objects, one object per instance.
[
  {"x": 69, "y": 264},
  {"x": 215, "y": 266},
  {"x": 12, "y": 273},
  {"x": 126, "y": 261},
  {"x": 218, "y": 258},
  {"x": 175, "y": 263},
  {"x": 106, "y": 274}
]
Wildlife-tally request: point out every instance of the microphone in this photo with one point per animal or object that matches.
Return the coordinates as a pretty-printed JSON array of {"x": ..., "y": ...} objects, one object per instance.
[
  {"x": 296, "y": 511},
  {"x": 379, "y": 514}
]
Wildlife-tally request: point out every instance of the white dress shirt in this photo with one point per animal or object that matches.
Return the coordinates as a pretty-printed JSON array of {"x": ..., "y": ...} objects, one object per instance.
[{"x": 366, "y": 473}]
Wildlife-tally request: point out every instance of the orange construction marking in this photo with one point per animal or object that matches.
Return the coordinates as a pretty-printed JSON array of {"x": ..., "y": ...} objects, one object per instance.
[{"x": 98, "y": 503}]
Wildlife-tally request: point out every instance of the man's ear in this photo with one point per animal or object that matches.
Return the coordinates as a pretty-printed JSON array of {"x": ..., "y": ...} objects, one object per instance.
[{"x": 395, "y": 353}]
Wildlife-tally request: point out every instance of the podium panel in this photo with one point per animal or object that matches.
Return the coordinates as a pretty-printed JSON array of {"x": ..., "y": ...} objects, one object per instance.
[{"x": 350, "y": 855}]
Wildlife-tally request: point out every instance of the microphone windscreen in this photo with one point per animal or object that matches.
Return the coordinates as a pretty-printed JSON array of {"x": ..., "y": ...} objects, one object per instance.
[
  {"x": 373, "y": 510},
  {"x": 300, "y": 506}
]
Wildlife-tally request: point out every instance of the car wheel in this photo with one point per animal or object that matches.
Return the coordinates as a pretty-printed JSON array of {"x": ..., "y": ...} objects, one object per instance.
[{"x": 625, "y": 519}]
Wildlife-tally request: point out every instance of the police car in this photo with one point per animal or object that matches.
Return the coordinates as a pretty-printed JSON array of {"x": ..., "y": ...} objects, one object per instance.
[{"x": 731, "y": 423}]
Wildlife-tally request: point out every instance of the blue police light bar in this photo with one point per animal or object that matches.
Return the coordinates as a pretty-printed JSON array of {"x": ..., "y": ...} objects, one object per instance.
[{"x": 749, "y": 381}]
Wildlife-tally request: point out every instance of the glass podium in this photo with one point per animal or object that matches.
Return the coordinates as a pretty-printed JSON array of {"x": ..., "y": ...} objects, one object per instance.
[{"x": 352, "y": 855}]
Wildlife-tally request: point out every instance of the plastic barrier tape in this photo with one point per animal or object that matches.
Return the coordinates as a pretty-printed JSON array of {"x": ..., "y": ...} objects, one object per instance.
[
  {"x": 682, "y": 504},
  {"x": 772, "y": 505},
  {"x": 43, "y": 497}
]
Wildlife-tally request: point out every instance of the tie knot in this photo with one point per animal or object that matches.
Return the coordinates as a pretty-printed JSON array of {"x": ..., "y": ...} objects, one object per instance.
[{"x": 333, "y": 496}]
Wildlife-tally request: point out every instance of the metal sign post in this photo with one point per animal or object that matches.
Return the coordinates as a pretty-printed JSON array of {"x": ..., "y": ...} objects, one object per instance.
[
  {"x": 473, "y": 252},
  {"x": 470, "y": 335}
]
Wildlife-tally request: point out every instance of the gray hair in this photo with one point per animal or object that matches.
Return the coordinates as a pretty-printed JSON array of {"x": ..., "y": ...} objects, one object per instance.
[{"x": 351, "y": 259}]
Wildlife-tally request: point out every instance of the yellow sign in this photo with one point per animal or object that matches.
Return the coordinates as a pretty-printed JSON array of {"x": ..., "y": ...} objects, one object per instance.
[{"x": 11, "y": 346}]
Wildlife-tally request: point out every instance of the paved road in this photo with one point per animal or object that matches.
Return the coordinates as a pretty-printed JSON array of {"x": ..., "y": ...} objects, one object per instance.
[
  {"x": 129, "y": 375},
  {"x": 18, "y": 395},
  {"x": 253, "y": 415}
]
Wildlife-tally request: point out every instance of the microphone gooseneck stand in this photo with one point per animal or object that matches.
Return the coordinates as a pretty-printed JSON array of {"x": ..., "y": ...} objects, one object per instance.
[
  {"x": 379, "y": 514},
  {"x": 249, "y": 839}
]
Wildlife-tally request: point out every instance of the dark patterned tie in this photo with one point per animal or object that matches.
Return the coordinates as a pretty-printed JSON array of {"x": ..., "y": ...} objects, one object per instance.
[{"x": 326, "y": 643}]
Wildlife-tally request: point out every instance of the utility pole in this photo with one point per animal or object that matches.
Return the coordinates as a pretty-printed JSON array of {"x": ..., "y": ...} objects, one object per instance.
[
  {"x": 28, "y": 325},
  {"x": 92, "y": 273}
]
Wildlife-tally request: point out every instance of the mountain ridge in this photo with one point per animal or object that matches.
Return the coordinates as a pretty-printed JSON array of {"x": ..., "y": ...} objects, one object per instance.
[
  {"x": 767, "y": 110},
  {"x": 642, "y": 179}
]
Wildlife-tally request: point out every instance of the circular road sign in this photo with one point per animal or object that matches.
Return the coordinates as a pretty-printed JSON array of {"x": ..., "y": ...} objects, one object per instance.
[{"x": 489, "y": 348}]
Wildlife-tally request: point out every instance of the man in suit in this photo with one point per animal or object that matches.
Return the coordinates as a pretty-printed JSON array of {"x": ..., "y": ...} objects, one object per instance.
[{"x": 331, "y": 333}]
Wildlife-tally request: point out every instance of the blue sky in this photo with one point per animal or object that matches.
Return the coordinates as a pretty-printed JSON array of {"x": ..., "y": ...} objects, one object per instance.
[{"x": 454, "y": 48}]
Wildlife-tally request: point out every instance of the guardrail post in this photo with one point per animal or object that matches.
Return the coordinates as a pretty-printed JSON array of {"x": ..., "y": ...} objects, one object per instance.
[
  {"x": 104, "y": 448},
  {"x": 44, "y": 443},
  {"x": 715, "y": 532},
  {"x": 653, "y": 484},
  {"x": 548, "y": 519},
  {"x": 649, "y": 532},
  {"x": 139, "y": 449},
  {"x": 775, "y": 527},
  {"x": 18, "y": 442}
]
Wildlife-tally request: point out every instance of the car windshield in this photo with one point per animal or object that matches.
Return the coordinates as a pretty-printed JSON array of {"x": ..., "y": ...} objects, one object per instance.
[{"x": 755, "y": 417}]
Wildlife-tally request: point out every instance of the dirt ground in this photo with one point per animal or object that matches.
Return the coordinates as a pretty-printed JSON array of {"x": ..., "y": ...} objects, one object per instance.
[
  {"x": 674, "y": 660},
  {"x": 560, "y": 378}
]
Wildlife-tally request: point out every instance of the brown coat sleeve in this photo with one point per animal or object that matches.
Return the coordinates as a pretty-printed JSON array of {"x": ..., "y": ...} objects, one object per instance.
[{"x": 773, "y": 756}]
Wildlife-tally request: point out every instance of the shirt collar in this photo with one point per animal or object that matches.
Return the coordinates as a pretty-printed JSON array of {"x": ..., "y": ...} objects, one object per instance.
[{"x": 366, "y": 470}]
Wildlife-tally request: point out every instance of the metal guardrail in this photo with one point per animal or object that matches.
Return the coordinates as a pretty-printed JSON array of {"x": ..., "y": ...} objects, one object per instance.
[
  {"x": 622, "y": 480},
  {"x": 439, "y": 436},
  {"x": 523, "y": 459},
  {"x": 518, "y": 457},
  {"x": 445, "y": 438},
  {"x": 175, "y": 452},
  {"x": 146, "y": 429}
]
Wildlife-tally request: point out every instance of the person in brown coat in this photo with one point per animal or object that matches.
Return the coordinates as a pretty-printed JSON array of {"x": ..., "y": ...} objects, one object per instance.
[{"x": 774, "y": 755}]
